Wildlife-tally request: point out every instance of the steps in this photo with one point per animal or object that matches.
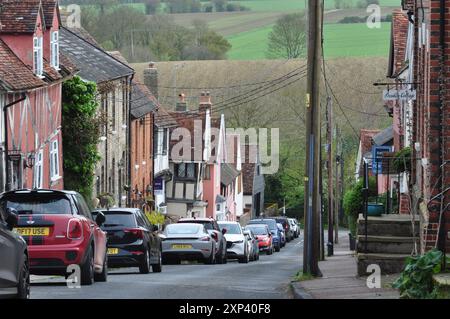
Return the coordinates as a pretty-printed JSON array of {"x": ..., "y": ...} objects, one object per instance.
[{"x": 389, "y": 242}]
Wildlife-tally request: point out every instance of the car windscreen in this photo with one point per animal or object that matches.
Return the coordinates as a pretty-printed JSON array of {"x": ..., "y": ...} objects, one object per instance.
[
  {"x": 231, "y": 228},
  {"x": 208, "y": 225},
  {"x": 258, "y": 230},
  {"x": 36, "y": 204},
  {"x": 118, "y": 219},
  {"x": 269, "y": 222},
  {"x": 182, "y": 229}
]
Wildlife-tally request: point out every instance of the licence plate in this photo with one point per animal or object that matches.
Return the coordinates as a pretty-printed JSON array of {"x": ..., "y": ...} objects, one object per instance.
[
  {"x": 33, "y": 231},
  {"x": 113, "y": 251},
  {"x": 181, "y": 246}
]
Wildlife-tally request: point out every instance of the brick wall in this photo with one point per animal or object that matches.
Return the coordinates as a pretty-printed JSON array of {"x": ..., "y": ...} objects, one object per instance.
[{"x": 431, "y": 123}]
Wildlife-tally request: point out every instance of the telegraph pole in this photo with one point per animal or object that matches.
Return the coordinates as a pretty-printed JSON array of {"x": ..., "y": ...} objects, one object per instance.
[
  {"x": 311, "y": 250},
  {"x": 330, "y": 163},
  {"x": 338, "y": 182}
]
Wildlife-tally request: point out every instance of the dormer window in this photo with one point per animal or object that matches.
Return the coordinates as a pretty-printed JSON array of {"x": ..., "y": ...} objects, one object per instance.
[
  {"x": 38, "y": 57},
  {"x": 54, "y": 48}
]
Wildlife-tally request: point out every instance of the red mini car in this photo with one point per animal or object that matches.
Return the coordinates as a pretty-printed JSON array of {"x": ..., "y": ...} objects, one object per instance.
[
  {"x": 60, "y": 231},
  {"x": 264, "y": 237}
]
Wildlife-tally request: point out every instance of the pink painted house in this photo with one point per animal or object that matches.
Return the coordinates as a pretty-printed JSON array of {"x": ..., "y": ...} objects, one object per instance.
[{"x": 31, "y": 75}]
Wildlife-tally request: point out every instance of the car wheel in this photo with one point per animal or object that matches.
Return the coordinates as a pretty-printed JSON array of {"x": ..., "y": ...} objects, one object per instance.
[
  {"x": 269, "y": 251},
  {"x": 157, "y": 267},
  {"x": 277, "y": 248},
  {"x": 144, "y": 266},
  {"x": 244, "y": 259},
  {"x": 23, "y": 287},
  {"x": 103, "y": 276},
  {"x": 87, "y": 269}
]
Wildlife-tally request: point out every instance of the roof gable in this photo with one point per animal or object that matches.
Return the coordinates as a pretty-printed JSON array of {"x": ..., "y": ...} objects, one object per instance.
[
  {"x": 50, "y": 7},
  {"x": 14, "y": 74},
  {"x": 399, "y": 36}
]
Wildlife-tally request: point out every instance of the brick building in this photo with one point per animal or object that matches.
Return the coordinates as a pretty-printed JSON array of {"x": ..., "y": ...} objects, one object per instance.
[{"x": 430, "y": 179}]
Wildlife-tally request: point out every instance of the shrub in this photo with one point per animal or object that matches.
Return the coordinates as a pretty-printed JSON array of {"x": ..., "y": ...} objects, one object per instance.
[
  {"x": 354, "y": 201},
  {"x": 416, "y": 282},
  {"x": 402, "y": 160}
]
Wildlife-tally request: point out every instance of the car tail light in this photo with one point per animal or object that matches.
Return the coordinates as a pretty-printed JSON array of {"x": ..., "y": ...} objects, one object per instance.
[
  {"x": 286, "y": 227},
  {"x": 206, "y": 238},
  {"x": 74, "y": 229},
  {"x": 136, "y": 232}
]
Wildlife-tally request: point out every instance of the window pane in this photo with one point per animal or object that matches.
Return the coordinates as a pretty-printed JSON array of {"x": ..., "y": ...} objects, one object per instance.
[
  {"x": 182, "y": 170},
  {"x": 191, "y": 170}
]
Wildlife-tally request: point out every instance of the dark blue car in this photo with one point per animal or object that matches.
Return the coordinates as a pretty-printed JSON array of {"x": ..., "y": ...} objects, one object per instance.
[{"x": 276, "y": 235}]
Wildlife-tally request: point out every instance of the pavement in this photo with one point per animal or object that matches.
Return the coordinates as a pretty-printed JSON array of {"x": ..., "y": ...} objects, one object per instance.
[
  {"x": 340, "y": 280},
  {"x": 268, "y": 278}
]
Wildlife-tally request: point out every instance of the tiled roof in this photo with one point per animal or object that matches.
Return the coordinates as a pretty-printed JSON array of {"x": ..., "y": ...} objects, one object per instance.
[
  {"x": 19, "y": 16},
  {"x": 142, "y": 100},
  {"x": 228, "y": 174},
  {"x": 48, "y": 7},
  {"x": 399, "y": 36},
  {"x": 366, "y": 139},
  {"x": 14, "y": 74},
  {"x": 66, "y": 65},
  {"x": 94, "y": 63},
  {"x": 384, "y": 137},
  {"x": 164, "y": 119}
]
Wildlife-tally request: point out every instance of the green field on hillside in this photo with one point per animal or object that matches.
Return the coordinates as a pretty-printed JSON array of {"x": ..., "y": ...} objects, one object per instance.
[{"x": 340, "y": 40}]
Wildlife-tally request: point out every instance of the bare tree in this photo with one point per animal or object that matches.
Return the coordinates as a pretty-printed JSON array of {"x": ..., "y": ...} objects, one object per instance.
[{"x": 288, "y": 37}]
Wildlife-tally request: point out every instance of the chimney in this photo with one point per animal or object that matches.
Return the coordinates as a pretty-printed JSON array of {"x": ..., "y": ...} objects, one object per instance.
[
  {"x": 151, "y": 78},
  {"x": 205, "y": 101},
  {"x": 181, "y": 104}
]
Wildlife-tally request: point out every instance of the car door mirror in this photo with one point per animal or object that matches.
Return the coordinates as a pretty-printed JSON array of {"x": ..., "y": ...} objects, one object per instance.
[
  {"x": 155, "y": 228},
  {"x": 224, "y": 231},
  {"x": 100, "y": 219},
  {"x": 12, "y": 218}
]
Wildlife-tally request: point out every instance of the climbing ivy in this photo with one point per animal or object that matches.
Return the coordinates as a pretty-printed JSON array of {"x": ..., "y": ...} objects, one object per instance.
[{"x": 81, "y": 132}]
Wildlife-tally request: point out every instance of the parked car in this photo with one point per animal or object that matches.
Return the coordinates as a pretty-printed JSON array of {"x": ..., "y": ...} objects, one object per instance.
[
  {"x": 295, "y": 227},
  {"x": 276, "y": 234},
  {"x": 287, "y": 227},
  {"x": 283, "y": 234},
  {"x": 60, "y": 231},
  {"x": 14, "y": 262},
  {"x": 132, "y": 240},
  {"x": 188, "y": 241},
  {"x": 263, "y": 236},
  {"x": 237, "y": 247},
  {"x": 253, "y": 244},
  {"x": 213, "y": 228}
]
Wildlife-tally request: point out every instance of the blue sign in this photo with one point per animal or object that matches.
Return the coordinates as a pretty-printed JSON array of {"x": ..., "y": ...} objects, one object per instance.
[
  {"x": 158, "y": 186},
  {"x": 377, "y": 158}
]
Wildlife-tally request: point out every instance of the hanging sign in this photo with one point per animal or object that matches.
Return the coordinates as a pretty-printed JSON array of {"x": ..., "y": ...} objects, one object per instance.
[{"x": 402, "y": 95}]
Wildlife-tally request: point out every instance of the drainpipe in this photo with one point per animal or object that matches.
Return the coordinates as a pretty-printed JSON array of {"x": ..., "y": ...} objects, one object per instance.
[
  {"x": 130, "y": 89},
  {"x": 442, "y": 222},
  {"x": 5, "y": 131}
]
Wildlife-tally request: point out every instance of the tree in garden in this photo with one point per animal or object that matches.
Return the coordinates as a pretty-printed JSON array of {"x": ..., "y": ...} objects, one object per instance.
[
  {"x": 288, "y": 37},
  {"x": 81, "y": 133}
]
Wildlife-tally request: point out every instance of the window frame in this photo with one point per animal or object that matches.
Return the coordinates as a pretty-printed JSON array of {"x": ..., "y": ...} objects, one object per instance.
[
  {"x": 39, "y": 170},
  {"x": 38, "y": 56},
  {"x": 54, "y": 160},
  {"x": 54, "y": 49}
]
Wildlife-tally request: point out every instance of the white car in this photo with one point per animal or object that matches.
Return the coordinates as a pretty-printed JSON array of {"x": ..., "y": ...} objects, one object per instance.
[
  {"x": 237, "y": 246},
  {"x": 294, "y": 227}
]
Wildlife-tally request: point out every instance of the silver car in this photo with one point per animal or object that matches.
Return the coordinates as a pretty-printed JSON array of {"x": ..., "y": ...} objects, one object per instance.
[
  {"x": 187, "y": 241},
  {"x": 294, "y": 226},
  {"x": 237, "y": 246},
  {"x": 252, "y": 243}
]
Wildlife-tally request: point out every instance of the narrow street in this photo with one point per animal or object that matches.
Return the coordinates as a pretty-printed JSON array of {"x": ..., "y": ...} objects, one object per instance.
[{"x": 267, "y": 278}]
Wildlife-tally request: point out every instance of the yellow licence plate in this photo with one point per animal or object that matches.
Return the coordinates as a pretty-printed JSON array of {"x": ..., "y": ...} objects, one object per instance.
[
  {"x": 113, "y": 251},
  {"x": 33, "y": 231},
  {"x": 181, "y": 246}
]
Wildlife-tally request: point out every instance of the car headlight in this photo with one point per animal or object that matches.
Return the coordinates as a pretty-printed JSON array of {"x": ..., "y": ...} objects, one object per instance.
[{"x": 238, "y": 242}]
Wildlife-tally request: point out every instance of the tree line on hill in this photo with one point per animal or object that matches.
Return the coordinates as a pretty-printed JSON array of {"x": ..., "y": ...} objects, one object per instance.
[{"x": 143, "y": 38}]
